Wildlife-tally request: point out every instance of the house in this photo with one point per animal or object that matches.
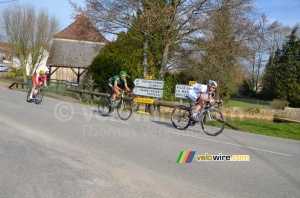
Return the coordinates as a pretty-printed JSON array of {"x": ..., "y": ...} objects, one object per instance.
[
  {"x": 73, "y": 50},
  {"x": 6, "y": 54}
]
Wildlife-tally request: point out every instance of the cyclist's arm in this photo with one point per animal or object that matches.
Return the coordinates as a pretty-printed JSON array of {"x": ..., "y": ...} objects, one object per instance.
[
  {"x": 127, "y": 88},
  {"x": 116, "y": 85},
  {"x": 208, "y": 99}
]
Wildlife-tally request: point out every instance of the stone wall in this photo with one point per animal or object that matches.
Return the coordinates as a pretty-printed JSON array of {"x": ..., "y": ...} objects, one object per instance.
[{"x": 253, "y": 113}]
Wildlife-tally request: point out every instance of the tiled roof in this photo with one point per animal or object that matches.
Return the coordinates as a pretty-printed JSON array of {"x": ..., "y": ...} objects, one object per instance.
[
  {"x": 6, "y": 47},
  {"x": 77, "y": 45},
  {"x": 81, "y": 29},
  {"x": 73, "y": 54}
]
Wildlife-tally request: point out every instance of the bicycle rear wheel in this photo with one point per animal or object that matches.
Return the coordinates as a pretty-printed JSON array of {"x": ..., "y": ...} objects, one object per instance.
[
  {"x": 212, "y": 122},
  {"x": 104, "y": 107},
  {"x": 180, "y": 117},
  {"x": 124, "y": 110},
  {"x": 39, "y": 96}
]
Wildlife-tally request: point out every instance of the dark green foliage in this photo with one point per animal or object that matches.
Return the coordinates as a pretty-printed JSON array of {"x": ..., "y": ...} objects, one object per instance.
[
  {"x": 247, "y": 89},
  {"x": 170, "y": 81},
  {"x": 122, "y": 54},
  {"x": 282, "y": 76}
]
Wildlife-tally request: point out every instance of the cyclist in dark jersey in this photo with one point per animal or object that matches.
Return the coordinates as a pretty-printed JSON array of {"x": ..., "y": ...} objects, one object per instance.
[{"x": 116, "y": 82}]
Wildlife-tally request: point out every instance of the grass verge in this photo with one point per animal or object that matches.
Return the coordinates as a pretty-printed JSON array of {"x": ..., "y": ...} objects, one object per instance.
[
  {"x": 282, "y": 130},
  {"x": 235, "y": 103}
]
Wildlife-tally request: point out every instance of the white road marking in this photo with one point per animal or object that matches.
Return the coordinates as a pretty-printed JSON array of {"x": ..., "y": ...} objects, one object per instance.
[
  {"x": 104, "y": 118},
  {"x": 253, "y": 148}
]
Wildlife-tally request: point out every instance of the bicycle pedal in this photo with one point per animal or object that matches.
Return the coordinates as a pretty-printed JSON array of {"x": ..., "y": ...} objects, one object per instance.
[{"x": 192, "y": 123}]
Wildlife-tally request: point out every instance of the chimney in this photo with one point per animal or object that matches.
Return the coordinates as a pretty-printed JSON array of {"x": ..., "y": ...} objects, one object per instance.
[{"x": 78, "y": 16}]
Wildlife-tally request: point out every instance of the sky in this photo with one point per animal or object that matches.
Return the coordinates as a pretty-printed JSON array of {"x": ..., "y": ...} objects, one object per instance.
[{"x": 285, "y": 11}]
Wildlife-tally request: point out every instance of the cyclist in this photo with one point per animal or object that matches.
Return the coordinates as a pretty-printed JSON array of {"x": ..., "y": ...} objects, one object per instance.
[
  {"x": 116, "y": 82},
  {"x": 201, "y": 93},
  {"x": 38, "y": 79}
]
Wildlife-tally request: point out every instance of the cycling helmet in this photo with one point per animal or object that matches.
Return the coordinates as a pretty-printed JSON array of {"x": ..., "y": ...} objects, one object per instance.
[
  {"x": 212, "y": 83},
  {"x": 123, "y": 73},
  {"x": 42, "y": 71}
]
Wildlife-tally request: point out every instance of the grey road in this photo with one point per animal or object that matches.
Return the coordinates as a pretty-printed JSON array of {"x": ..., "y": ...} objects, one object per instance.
[{"x": 62, "y": 149}]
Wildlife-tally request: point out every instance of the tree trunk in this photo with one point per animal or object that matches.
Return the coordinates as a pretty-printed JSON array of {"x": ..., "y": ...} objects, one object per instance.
[
  {"x": 145, "y": 55},
  {"x": 163, "y": 67}
]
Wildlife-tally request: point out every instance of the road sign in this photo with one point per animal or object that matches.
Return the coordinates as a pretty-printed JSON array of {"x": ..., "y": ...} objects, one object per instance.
[
  {"x": 181, "y": 91},
  {"x": 144, "y": 100},
  {"x": 75, "y": 84},
  {"x": 155, "y": 93},
  {"x": 192, "y": 82},
  {"x": 148, "y": 77},
  {"x": 157, "y": 84}
]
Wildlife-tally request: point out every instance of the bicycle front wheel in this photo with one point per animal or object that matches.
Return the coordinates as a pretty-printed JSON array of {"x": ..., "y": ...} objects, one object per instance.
[
  {"x": 28, "y": 96},
  {"x": 212, "y": 122},
  {"x": 39, "y": 96},
  {"x": 124, "y": 110},
  {"x": 104, "y": 107},
  {"x": 180, "y": 117}
]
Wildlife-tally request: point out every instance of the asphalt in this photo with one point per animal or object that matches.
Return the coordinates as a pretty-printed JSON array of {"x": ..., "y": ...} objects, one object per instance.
[{"x": 5, "y": 85}]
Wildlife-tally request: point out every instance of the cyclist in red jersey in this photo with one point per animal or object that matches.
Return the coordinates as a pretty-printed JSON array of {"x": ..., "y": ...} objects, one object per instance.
[{"x": 38, "y": 79}]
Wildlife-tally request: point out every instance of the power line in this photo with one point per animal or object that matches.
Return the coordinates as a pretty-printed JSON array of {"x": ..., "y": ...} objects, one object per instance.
[{"x": 8, "y": 1}]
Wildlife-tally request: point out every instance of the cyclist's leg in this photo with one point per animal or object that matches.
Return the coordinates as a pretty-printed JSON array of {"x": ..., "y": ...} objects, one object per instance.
[
  {"x": 193, "y": 96},
  {"x": 33, "y": 86},
  {"x": 116, "y": 93},
  {"x": 199, "y": 105}
]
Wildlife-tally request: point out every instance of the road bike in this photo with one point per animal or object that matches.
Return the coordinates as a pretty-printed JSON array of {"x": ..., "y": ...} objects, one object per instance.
[
  {"x": 106, "y": 106},
  {"x": 37, "y": 95},
  {"x": 211, "y": 119}
]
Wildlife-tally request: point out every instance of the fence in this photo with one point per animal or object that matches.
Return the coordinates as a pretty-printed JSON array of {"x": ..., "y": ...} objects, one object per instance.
[{"x": 54, "y": 85}]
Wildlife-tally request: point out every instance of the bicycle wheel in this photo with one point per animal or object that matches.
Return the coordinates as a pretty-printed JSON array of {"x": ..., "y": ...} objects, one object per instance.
[
  {"x": 28, "y": 96},
  {"x": 212, "y": 122},
  {"x": 180, "y": 117},
  {"x": 104, "y": 106},
  {"x": 39, "y": 96},
  {"x": 124, "y": 110}
]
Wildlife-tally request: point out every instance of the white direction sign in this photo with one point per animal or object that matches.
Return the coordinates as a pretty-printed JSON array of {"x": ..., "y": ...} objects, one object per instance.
[
  {"x": 181, "y": 91},
  {"x": 157, "y": 84},
  {"x": 155, "y": 93}
]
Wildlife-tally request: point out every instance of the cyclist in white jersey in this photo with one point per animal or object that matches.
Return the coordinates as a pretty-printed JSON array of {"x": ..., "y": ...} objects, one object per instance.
[{"x": 202, "y": 93}]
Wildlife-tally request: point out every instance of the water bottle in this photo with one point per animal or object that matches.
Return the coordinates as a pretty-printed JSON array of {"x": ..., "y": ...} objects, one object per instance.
[{"x": 35, "y": 91}]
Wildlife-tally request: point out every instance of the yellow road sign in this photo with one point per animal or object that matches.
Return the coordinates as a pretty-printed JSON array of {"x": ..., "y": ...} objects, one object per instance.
[
  {"x": 144, "y": 100},
  {"x": 148, "y": 77},
  {"x": 192, "y": 82}
]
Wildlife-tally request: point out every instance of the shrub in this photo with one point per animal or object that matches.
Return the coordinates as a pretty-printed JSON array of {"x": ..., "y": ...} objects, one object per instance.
[{"x": 278, "y": 104}]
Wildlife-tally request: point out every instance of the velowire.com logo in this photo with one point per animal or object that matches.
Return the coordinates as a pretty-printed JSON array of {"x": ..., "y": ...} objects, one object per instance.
[{"x": 188, "y": 156}]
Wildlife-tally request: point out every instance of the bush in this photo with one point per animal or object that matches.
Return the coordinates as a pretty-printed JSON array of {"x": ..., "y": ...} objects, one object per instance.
[
  {"x": 10, "y": 75},
  {"x": 278, "y": 104}
]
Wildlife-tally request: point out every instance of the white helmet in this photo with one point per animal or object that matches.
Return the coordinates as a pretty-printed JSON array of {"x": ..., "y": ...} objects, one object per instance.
[{"x": 212, "y": 83}]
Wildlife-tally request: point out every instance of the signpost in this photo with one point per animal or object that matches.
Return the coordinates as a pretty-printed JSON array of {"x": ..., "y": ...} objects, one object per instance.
[
  {"x": 192, "y": 82},
  {"x": 155, "y": 93},
  {"x": 149, "y": 88},
  {"x": 157, "y": 84},
  {"x": 74, "y": 84},
  {"x": 181, "y": 91},
  {"x": 144, "y": 100}
]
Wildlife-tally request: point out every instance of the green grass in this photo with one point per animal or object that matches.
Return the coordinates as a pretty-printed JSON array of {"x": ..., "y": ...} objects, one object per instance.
[
  {"x": 282, "y": 130},
  {"x": 235, "y": 103}
]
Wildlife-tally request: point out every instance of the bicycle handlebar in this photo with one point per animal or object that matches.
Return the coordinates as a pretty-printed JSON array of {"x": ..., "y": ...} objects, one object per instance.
[{"x": 218, "y": 102}]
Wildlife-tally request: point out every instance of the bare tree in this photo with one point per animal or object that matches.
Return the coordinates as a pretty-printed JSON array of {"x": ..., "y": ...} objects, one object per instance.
[
  {"x": 29, "y": 33},
  {"x": 176, "y": 18},
  {"x": 224, "y": 44}
]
